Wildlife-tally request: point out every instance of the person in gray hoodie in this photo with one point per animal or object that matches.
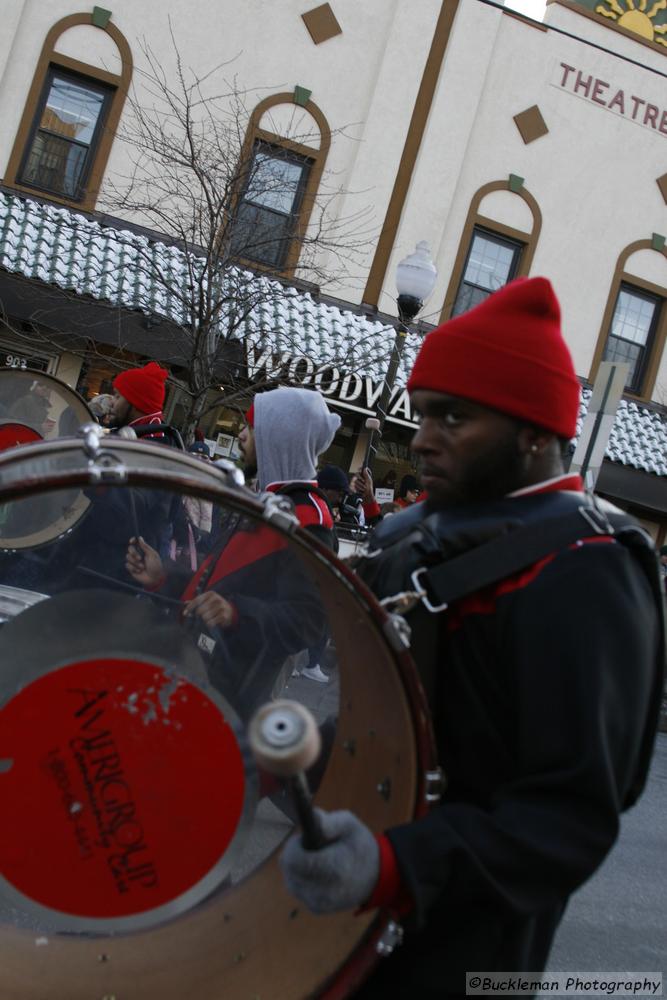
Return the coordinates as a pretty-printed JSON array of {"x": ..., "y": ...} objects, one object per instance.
[
  {"x": 250, "y": 603},
  {"x": 289, "y": 428},
  {"x": 286, "y": 431}
]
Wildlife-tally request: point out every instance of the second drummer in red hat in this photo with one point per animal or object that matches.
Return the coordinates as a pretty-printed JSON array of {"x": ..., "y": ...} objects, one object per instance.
[{"x": 139, "y": 396}]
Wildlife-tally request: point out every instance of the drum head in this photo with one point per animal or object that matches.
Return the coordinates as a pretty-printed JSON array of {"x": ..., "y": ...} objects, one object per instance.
[
  {"x": 37, "y": 407},
  {"x": 139, "y": 854}
]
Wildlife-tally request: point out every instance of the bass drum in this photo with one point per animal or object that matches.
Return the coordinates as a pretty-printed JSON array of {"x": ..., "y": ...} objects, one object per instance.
[
  {"x": 37, "y": 407},
  {"x": 139, "y": 852}
]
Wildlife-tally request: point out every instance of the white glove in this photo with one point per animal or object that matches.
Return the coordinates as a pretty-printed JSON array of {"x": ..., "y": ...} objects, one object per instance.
[{"x": 339, "y": 876}]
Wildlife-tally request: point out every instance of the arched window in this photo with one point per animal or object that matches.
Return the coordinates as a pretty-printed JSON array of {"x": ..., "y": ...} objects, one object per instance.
[
  {"x": 282, "y": 160},
  {"x": 497, "y": 245},
  {"x": 72, "y": 112},
  {"x": 634, "y": 326}
]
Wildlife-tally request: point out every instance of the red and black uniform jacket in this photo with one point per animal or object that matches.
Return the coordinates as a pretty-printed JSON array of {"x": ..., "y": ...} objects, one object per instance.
[
  {"x": 277, "y": 609},
  {"x": 542, "y": 689},
  {"x": 149, "y": 420}
]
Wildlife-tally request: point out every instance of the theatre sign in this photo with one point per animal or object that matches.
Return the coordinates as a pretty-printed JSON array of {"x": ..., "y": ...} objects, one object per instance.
[
  {"x": 607, "y": 94},
  {"x": 349, "y": 390}
]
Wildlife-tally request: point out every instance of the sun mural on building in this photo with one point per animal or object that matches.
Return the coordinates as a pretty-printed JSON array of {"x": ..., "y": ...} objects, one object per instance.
[{"x": 637, "y": 16}]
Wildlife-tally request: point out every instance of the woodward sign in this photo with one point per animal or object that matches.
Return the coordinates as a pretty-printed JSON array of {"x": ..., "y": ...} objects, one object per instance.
[
  {"x": 349, "y": 390},
  {"x": 621, "y": 102}
]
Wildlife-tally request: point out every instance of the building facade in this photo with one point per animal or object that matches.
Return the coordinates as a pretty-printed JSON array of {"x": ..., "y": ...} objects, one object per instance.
[{"x": 512, "y": 147}]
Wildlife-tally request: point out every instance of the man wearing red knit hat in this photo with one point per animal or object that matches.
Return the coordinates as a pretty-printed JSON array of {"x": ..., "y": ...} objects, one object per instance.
[
  {"x": 138, "y": 396},
  {"x": 116, "y": 515},
  {"x": 537, "y": 631}
]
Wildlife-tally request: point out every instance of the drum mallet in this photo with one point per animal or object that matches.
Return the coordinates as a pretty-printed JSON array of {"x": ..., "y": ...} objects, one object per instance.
[
  {"x": 372, "y": 425},
  {"x": 285, "y": 742}
]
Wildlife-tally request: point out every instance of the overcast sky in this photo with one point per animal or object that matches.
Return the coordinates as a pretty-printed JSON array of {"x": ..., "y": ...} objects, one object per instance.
[{"x": 533, "y": 8}]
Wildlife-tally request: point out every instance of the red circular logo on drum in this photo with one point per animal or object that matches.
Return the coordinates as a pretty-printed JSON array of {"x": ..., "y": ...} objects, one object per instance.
[
  {"x": 122, "y": 787},
  {"x": 13, "y": 434}
]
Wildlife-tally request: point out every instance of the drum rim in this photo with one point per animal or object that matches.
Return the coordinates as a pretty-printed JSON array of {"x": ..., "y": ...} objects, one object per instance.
[{"x": 209, "y": 483}]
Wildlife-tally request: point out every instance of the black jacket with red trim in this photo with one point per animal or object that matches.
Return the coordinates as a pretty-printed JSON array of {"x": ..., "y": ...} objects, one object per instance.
[
  {"x": 543, "y": 689},
  {"x": 277, "y": 608},
  {"x": 148, "y": 420},
  {"x": 311, "y": 507}
]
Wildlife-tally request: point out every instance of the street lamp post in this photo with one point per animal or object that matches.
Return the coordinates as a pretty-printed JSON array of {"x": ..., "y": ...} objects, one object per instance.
[{"x": 415, "y": 280}]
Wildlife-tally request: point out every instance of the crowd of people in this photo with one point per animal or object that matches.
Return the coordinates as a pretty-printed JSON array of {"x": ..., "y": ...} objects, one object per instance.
[{"x": 542, "y": 663}]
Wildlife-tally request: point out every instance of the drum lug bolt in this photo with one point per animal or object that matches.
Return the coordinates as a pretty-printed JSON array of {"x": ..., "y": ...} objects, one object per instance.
[
  {"x": 434, "y": 785},
  {"x": 384, "y": 788},
  {"x": 398, "y": 632},
  {"x": 92, "y": 435},
  {"x": 279, "y": 512},
  {"x": 390, "y": 938},
  {"x": 106, "y": 469},
  {"x": 234, "y": 476},
  {"x": 350, "y": 746}
]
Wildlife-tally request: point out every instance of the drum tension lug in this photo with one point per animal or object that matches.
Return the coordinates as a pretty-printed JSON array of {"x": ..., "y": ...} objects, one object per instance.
[
  {"x": 390, "y": 938},
  {"x": 434, "y": 785},
  {"x": 103, "y": 466},
  {"x": 279, "y": 511},
  {"x": 398, "y": 632},
  {"x": 230, "y": 471},
  {"x": 384, "y": 788},
  {"x": 106, "y": 469},
  {"x": 92, "y": 435}
]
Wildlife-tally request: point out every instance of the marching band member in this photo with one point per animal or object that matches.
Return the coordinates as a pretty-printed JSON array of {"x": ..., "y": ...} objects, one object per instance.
[
  {"x": 544, "y": 685},
  {"x": 138, "y": 396},
  {"x": 250, "y": 600}
]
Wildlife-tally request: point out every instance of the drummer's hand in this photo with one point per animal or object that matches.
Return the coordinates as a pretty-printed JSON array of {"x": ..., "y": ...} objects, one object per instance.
[
  {"x": 362, "y": 484},
  {"x": 213, "y": 609},
  {"x": 339, "y": 876},
  {"x": 143, "y": 563}
]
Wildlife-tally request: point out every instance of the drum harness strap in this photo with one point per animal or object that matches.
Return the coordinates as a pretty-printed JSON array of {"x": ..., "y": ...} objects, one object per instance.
[{"x": 438, "y": 586}]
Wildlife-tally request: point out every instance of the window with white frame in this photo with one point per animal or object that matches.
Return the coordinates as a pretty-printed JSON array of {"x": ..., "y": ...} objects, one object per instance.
[
  {"x": 268, "y": 212},
  {"x": 65, "y": 134},
  {"x": 633, "y": 327},
  {"x": 492, "y": 261}
]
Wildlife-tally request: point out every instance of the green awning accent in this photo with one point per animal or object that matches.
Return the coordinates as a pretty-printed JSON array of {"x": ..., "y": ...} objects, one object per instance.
[
  {"x": 301, "y": 96},
  {"x": 101, "y": 17}
]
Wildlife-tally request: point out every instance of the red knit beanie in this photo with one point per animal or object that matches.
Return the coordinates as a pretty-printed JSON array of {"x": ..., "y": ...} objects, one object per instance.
[
  {"x": 250, "y": 416},
  {"x": 507, "y": 353},
  {"x": 143, "y": 388}
]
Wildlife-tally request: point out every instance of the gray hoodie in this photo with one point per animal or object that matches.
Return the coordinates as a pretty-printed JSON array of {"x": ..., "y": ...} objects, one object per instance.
[{"x": 292, "y": 428}]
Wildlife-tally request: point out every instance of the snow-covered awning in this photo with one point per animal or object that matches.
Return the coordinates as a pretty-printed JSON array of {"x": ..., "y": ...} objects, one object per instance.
[{"x": 123, "y": 268}]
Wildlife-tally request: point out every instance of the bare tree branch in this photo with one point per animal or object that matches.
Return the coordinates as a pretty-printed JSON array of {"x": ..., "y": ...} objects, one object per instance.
[{"x": 188, "y": 178}]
